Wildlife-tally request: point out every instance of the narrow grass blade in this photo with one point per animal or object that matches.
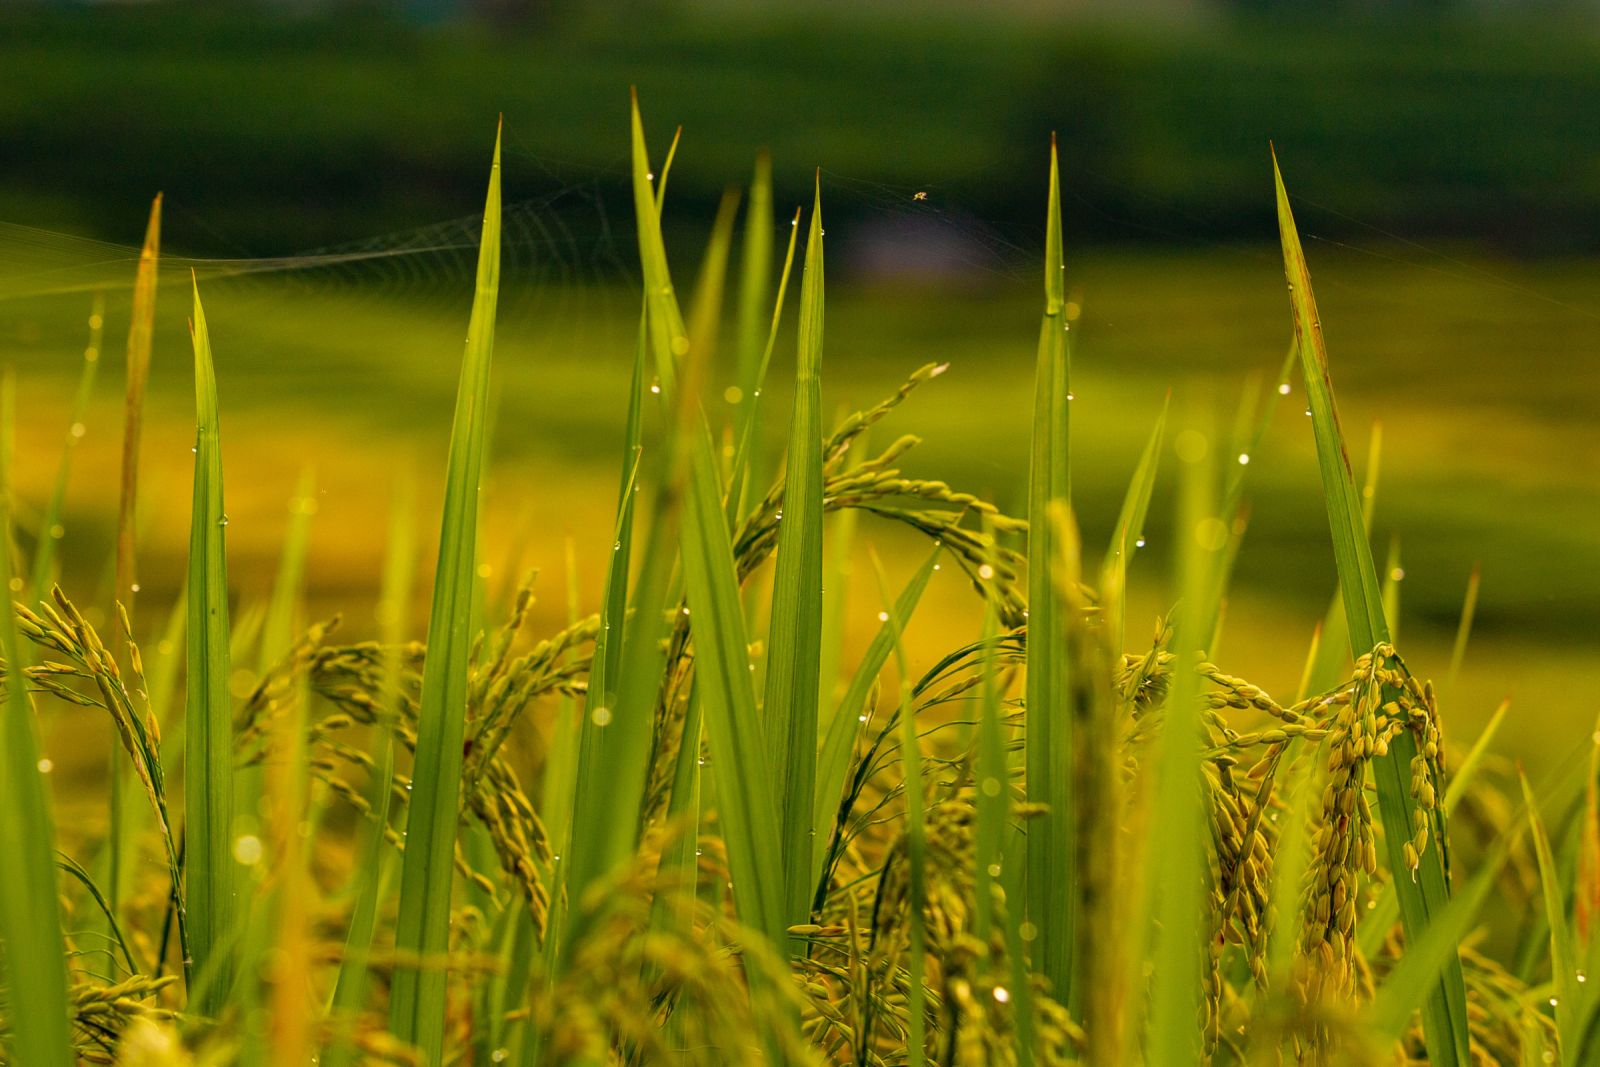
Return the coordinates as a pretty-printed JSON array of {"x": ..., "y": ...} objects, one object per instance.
[
  {"x": 1390, "y": 596},
  {"x": 1333, "y": 658},
  {"x": 1469, "y": 608},
  {"x": 141, "y": 332},
  {"x": 1235, "y": 509},
  {"x": 746, "y": 471},
  {"x": 705, "y": 310},
  {"x": 794, "y": 645},
  {"x": 1467, "y": 769},
  {"x": 417, "y": 995},
  {"x": 140, "y": 335},
  {"x": 33, "y": 957},
  {"x": 755, "y": 281},
  {"x": 1445, "y": 1014},
  {"x": 374, "y": 869},
  {"x": 209, "y": 871},
  {"x": 1293, "y": 857},
  {"x": 1051, "y": 883},
  {"x": 1427, "y": 959},
  {"x": 277, "y": 636},
  {"x": 1585, "y": 902},
  {"x": 555, "y": 791},
  {"x": 993, "y": 779},
  {"x": 1177, "y": 864},
  {"x": 1102, "y": 966},
  {"x": 51, "y": 530},
  {"x": 1416, "y": 975},
  {"x": 1563, "y": 952},
  {"x": 839, "y": 547},
  {"x": 288, "y": 586},
  {"x": 848, "y": 724},
  {"x": 916, "y": 834},
  {"x": 591, "y": 786},
  {"x": 1128, "y": 536},
  {"x": 72, "y": 867},
  {"x": 749, "y": 811}
]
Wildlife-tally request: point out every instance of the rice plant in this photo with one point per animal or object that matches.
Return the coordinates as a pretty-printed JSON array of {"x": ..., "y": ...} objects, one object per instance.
[{"x": 1075, "y": 839}]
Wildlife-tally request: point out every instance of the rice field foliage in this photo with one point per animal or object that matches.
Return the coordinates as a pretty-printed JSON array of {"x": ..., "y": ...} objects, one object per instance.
[{"x": 662, "y": 834}]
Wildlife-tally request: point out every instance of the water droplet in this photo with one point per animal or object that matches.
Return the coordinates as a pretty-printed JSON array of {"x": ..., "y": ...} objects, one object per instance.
[
  {"x": 1072, "y": 396},
  {"x": 1308, "y": 413},
  {"x": 247, "y": 849},
  {"x": 500, "y": 1055},
  {"x": 655, "y": 387},
  {"x": 1244, "y": 458},
  {"x": 650, "y": 176},
  {"x": 58, "y": 531},
  {"x": 1139, "y": 543},
  {"x": 986, "y": 572},
  {"x": 46, "y": 765},
  {"x": 79, "y": 429},
  {"x": 1001, "y": 994},
  {"x": 601, "y": 716},
  {"x": 861, "y": 718},
  {"x": 883, "y": 616},
  {"x": 1283, "y": 389},
  {"x": 686, "y": 610},
  {"x": 223, "y": 521}
]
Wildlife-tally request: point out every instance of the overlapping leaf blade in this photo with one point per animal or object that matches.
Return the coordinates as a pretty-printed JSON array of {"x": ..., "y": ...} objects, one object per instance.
[
  {"x": 794, "y": 646},
  {"x": 417, "y": 997}
]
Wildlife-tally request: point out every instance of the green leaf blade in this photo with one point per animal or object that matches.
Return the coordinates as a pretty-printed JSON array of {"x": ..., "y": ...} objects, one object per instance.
[
  {"x": 1050, "y": 884},
  {"x": 417, "y": 1005},
  {"x": 794, "y": 658},
  {"x": 209, "y": 874},
  {"x": 1445, "y": 1013},
  {"x": 34, "y": 957}
]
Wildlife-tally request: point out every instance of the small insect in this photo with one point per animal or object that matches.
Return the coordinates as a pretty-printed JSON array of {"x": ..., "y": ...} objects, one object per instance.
[{"x": 919, "y": 195}]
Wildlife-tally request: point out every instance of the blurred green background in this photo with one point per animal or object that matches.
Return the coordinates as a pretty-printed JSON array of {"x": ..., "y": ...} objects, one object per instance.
[{"x": 322, "y": 163}]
